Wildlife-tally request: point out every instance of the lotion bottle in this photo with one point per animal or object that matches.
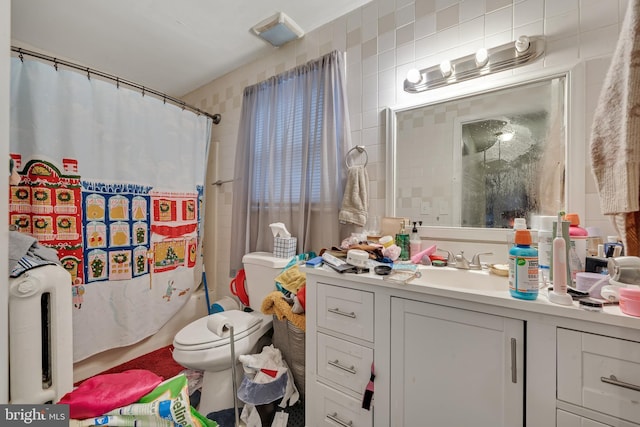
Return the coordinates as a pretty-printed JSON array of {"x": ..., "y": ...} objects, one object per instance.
[{"x": 415, "y": 244}]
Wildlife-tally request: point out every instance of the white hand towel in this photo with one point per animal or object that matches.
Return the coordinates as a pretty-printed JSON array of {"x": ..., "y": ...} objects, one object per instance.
[{"x": 355, "y": 202}]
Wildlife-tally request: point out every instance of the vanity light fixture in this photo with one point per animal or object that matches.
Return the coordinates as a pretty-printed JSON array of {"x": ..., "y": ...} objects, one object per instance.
[
  {"x": 445, "y": 68},
  {"x": 482, "y": 57},
  {"x": 522, "y": 44},
  {"x": 486, "y": 61},
  {"x": 414, "y": 76}
]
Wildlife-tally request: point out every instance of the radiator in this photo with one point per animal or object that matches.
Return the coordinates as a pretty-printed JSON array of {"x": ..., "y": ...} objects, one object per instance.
[{"x": 40, "y": 336}]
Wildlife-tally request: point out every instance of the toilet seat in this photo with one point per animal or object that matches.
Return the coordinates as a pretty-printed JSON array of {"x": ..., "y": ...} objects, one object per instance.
[{"x": 196, "y": 335}]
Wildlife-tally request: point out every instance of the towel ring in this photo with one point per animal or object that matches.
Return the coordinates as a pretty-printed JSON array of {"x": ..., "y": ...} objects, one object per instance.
[{"x": 361, "y": 150}]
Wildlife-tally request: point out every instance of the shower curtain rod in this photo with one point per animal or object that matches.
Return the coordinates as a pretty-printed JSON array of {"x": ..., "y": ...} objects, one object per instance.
[{"x": 216, "y": 118}]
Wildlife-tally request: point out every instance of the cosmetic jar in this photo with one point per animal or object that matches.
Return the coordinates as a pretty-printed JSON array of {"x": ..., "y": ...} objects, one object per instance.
[{"x": 630, "y": 301}]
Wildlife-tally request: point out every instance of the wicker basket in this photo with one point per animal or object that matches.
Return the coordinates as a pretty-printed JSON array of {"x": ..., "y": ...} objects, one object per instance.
[{"x": 289, "y": 339}]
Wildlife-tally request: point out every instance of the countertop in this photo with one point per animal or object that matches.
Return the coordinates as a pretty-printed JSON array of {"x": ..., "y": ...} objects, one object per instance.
[{"x": 491, "y": 290}]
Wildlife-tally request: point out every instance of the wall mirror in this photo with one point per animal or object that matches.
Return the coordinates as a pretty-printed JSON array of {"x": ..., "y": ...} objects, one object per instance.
[{"x": 479, "y": 159}]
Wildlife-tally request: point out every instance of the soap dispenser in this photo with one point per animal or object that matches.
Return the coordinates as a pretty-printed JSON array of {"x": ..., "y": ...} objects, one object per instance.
[
  {"x": 415, "y": 244},
  {"x": 402, "y": 241}
]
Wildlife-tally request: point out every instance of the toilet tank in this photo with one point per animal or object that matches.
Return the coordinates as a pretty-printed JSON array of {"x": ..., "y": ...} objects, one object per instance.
[{"x": 261, "y": 269}]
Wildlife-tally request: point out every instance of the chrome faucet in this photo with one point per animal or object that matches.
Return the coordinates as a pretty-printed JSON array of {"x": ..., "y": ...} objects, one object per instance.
[
  {"x": 475, "y": 262},
  {"x": 459, "y": 261}
]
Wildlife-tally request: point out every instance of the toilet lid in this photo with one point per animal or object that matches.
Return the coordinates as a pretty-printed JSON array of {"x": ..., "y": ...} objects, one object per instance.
[{"x": 197, "y": 336}]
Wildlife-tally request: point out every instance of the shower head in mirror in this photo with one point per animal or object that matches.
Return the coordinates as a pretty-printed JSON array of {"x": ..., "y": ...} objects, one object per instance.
[{"x": 481, "y": 135}]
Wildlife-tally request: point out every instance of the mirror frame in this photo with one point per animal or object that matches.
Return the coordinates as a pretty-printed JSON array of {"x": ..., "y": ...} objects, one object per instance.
[{"x": 575, "y": 144}]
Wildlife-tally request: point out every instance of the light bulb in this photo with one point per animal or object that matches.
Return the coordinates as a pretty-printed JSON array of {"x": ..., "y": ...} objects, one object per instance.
[
  {"x": 522, "y": 44},
  {"x": 506, "y": 136},
  {"x": 482, "y": 56},
  {"x": 414, "y": 76},
  {"x": 445, "y": 68}
]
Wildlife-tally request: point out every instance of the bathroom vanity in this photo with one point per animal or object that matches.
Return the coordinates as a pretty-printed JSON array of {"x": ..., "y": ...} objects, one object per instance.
[{"x": 453, "y": 348}]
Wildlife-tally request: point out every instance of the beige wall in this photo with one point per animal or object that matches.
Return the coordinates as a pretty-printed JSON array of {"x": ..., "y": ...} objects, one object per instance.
[{"x": 383, "y": 40}]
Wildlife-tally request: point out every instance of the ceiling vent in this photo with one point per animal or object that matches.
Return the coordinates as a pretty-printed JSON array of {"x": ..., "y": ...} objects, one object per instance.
[{"x": 278, "y": 30}]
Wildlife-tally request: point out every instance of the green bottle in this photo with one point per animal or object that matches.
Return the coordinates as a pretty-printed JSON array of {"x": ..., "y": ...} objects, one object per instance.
[{"x": 402, "y": 241}]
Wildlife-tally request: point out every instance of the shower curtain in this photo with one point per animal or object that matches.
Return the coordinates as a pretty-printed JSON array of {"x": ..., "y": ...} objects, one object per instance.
[{"x": 113, "y": 180}]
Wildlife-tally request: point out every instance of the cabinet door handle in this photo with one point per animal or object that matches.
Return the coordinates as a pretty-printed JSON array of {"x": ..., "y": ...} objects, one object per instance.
[
  {"x": 337, "y": 364},
  {"x": 342, "y": 313},
  {"x": 334, "y": 417},
  {"x": 514, "y": 367},
  {"x": 614, "y": 381}
]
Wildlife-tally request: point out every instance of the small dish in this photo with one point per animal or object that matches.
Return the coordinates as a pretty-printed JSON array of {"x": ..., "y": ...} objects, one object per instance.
[
  {"x": 499, "y": 269},
  {"x": 382, "y": 270}
]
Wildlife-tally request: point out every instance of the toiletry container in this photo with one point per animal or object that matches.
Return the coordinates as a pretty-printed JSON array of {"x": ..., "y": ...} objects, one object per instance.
[
  {"x": 402, "y": 241},
  {"x": 545, "y": 243},
  {"x": 578, "y": 245},
  {"x": 415, "y": 244},
  {"x": 610, "y": 247},
  {"x": 523, "y": 267}
]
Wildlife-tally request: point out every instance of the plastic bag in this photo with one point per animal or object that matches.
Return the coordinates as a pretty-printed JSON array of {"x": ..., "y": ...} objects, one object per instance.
[
  {"x": 102, "y": 393},
  {"x": 166, "y": 405}
]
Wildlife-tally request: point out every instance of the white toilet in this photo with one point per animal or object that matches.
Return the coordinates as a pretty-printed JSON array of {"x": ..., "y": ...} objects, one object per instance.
[{"x": 196, "y": 347}]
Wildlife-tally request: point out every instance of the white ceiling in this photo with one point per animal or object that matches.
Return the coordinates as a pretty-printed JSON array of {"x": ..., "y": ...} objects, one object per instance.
[{"x": 173, "y": 46}]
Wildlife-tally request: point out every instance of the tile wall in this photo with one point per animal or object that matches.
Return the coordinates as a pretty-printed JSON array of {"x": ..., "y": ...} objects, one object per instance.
[{"x": 383, "y": 40}]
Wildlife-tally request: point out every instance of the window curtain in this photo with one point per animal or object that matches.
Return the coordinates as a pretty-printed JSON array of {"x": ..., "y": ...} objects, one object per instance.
[{"x": 290, "y": 159}]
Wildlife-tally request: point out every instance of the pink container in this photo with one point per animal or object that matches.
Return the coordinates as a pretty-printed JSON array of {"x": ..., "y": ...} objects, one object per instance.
[{"x": 630, "y": 301}]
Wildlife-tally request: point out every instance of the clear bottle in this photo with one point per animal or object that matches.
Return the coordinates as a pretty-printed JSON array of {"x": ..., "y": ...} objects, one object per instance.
[
  {"x": 523, "y": 267},
  {"x": 577, "y": 245},
  {"x": 415, "y": 244},
  {"x": 545, "y": 244},
  {"x": 402, "y": 241}
]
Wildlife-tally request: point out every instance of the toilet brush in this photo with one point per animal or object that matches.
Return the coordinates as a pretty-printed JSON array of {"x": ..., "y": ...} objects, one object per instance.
[
  {"x": 218, "y": 323},
  {"x": 233, "y": 373}
]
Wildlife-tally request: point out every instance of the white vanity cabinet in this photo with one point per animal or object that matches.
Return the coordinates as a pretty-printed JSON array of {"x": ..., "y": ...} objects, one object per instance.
[
  {"x": 339, "y": 370},
  {"x": 452, "y": 353},
  {"x": 598, "y": 374},
  {"x": 452, "y": 367},
  {"x": 567, "y": 419}
]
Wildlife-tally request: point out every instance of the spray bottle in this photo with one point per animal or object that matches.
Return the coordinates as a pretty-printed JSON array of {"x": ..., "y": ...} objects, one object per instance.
[{"x": 559, "y": 293}]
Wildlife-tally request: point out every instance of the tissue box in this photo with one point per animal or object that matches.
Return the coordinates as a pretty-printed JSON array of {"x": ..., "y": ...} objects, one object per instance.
[{"x": 284, "y": 247}]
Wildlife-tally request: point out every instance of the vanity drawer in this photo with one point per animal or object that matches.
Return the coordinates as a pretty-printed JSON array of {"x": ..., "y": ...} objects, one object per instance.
[
  {"x": 599, "y": 373},
  {"x": 335, "y": 409},
  {"x": 567, "y": 419},
  {"x": 347, "y": 311},
  {"x": 344, "y": 363}
]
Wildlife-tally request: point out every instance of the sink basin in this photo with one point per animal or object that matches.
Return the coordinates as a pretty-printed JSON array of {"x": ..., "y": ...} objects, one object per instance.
[{"x": 453, "y": 278}]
